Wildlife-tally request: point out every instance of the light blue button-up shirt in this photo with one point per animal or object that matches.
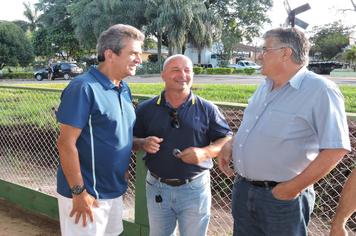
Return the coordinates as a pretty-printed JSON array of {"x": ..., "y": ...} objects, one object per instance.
[{"x": 284, "y": 129}]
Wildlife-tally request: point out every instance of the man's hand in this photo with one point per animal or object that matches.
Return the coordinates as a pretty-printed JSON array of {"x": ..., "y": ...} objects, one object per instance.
[
  {"x": 284, "y": 191},
  {"x": 224, "y": 159},
  {"x": 151, "y": 144},
  {"x": 82, "y": 207},
  {"x": 193, "y": 155}
]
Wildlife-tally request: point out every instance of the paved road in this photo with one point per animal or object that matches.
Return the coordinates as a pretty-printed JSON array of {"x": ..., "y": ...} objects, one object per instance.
[{"x": 198, "y": 79}]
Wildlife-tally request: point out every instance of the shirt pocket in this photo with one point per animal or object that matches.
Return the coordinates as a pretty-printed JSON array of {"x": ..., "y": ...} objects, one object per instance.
[{"x": 285, "y": 125}]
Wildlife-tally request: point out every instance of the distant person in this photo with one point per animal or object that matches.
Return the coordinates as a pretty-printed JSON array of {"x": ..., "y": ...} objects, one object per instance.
[
  {"x": 294, "y": 131},
  {"x": 347, "y": 206},
  {"x": 96, "y": 118},
  {"x": 181, "y": 133},
  {"x": 50, "y": 69}
]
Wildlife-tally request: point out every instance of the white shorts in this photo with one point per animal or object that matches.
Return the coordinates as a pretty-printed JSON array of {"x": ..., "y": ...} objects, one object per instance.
[{"x": 107, "y": 218}]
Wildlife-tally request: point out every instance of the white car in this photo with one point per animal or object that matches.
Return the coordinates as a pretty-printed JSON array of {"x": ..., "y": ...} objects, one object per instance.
[{"x": 245, "y": 64}]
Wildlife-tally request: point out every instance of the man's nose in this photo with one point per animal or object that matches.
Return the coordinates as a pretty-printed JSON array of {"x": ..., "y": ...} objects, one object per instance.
[{"x": 138, "y": 59}]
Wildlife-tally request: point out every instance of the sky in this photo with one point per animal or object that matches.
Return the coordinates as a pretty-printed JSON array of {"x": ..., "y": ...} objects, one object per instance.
[{"x": 321, "y": 12}]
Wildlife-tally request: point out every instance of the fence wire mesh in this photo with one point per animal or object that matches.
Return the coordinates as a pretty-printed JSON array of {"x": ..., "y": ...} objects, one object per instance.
[{"x": 29, "y": 157}]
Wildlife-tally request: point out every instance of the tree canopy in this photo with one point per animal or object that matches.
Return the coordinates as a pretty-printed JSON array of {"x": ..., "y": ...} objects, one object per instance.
[
  {"x": 172, "y": 22},
  {"x": 55, "y": 34},
  {"x": 329, "y": 40},
  {"x": 15, "y": 47}
]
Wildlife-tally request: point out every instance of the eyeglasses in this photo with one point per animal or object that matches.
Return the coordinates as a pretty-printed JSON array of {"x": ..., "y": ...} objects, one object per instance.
[
  {"x": 174, "y": 119},
  {"x": 266, "y": 49}
]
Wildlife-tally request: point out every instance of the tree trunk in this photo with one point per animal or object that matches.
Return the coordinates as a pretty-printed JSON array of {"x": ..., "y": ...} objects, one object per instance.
[
  {"x": 199, "y": 56},
  {"x": 159, "y": 50}
]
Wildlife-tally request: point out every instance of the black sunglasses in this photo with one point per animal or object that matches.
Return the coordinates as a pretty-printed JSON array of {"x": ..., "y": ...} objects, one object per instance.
[{"x": 174, "y": 118}]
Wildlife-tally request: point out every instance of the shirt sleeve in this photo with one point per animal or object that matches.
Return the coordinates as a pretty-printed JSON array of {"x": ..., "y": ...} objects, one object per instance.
[
  {"x": 138, "y": 130},
  {"x": 330, "y": 120},
  {"x": 74, "y": 109},
  {"x": 218, "y": 126}
]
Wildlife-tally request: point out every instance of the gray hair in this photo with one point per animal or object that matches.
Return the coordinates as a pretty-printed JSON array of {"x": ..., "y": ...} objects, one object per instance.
[
  {"x": 113, "y": 38},
  {"x": 294, "y": 39},
  {"x": 169, "y": 59}
]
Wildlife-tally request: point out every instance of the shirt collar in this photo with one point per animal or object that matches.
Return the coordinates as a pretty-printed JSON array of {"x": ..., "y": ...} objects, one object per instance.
[
  {"x": 161, "y": 100},
  {"x": 103, "y": 79},
  {"x": 295, "y": 81}
]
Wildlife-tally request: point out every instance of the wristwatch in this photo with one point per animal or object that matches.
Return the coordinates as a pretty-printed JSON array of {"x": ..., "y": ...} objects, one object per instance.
[{"x": 77, "y": 189}]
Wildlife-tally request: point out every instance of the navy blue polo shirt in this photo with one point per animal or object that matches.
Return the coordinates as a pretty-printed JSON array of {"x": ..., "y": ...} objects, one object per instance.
[
  {"x": 200, "y": 122},
  {"x": 105, "y": 114}
]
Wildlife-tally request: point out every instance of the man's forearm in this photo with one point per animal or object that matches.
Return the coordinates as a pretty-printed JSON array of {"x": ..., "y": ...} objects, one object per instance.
[
  {"x": 137, "y": 144},
  {"x": 320, "y": 167},
  {"x": 214, "y": 148},
  {"x": 69, "y": 158}
]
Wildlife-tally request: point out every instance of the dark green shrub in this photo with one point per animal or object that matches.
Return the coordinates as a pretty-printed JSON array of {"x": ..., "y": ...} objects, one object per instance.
[
  {"x": 249, "y": 71},
  {"x": 148, "y": 68},
  {"x": 198, "y": 70},
  {"x": 18, "y": 75},
  {"x": 239, "y": 71},
  {"x": 219, "y": 71}
]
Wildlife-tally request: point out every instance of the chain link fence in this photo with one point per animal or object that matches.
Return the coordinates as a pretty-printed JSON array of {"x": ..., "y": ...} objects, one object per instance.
[{"x": 28, "y": 157}]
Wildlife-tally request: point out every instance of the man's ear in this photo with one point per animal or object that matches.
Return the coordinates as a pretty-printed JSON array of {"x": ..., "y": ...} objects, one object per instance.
[
  {"x": 288, "y": 53},
  {"x": 108, "y": 55}
]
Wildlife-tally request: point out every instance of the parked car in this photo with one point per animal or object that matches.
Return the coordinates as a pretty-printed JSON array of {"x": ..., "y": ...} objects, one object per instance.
[
  {"x": 324, "y": 67},
  {"x": 245, "y": 64},
  {"x": 66, "y": 70}
]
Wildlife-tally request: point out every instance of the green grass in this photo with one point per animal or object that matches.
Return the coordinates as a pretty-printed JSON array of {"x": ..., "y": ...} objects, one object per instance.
[{"x": 217, "y": 92}]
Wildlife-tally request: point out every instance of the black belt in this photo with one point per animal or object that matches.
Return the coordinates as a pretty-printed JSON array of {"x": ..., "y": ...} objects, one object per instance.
[
  {"x": 264, "y": 184},
  {"x": 172, "y": 182}
]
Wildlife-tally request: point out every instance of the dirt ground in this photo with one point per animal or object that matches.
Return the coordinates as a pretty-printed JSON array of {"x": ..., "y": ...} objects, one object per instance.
[{"x": 15, "y": 221}]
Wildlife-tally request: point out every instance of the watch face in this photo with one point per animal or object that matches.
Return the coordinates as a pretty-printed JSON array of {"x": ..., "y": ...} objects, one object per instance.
[{"x": 77, "y": 189}]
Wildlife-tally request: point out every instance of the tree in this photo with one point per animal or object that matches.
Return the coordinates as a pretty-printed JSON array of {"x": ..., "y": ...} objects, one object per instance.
[
  {"x": 329, "y": 40},
  {"x": 90, "y": 17},
  {"x": 242, "y": 20},
  {"x": 350, "y": 54},
  {"x": 56, "y": 30},
  {"x": 31, "y": 15},
  {"x": 15, "y": 47},
  {"x": 175, "y": 23}
]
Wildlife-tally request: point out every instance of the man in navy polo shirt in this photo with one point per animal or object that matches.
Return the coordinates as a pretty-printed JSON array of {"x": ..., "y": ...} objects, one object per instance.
[
  {"x": 96, "y": 123},
  {"x": 180, "y": 133}
]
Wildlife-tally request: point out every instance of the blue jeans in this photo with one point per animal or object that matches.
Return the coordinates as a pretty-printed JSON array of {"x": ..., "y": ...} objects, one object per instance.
[
  {"x": 188, "y": 204},
  {"x": 257, "y": 212}
]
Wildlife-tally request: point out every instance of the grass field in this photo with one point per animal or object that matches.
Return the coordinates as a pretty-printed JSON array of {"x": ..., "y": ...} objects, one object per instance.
[{"x": 218, "y": 92}]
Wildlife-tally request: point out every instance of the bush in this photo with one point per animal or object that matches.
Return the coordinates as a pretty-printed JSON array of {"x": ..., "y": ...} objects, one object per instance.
[
  {"x": 239, "y": 71},
  {"x": 219, "y": 71},
  {"x": 249, "y": 71},
  {"x": 198, "y": 70},
  {"x": 18, "y": 75},
  {"x": 148, "y": 68}
]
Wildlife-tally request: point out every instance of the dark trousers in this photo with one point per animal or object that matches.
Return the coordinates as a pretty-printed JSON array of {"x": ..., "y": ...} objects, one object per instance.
[{"x": 257, "y": 212}]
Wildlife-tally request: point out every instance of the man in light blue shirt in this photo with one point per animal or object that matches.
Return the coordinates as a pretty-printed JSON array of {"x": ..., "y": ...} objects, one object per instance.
[{"x": 294, "y": 131}]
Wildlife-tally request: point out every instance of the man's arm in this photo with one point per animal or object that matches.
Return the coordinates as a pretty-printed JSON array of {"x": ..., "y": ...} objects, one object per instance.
[
  {"x": 69, "y": 158},
  {"x": 195, "y": 155},
  {"x": 224, "y": 159},
  {"x": 347, "y": 206},
  {"x": 321, "y": 166}
]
